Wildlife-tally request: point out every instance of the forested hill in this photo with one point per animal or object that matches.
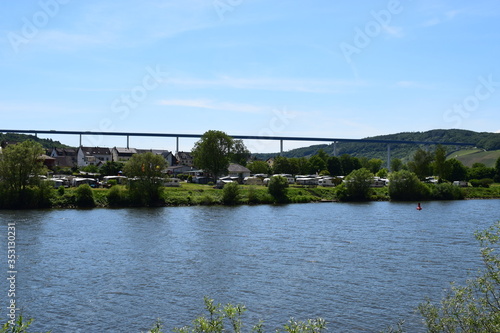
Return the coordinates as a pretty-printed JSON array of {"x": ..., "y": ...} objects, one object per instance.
[
  {"x": 484, "y": 140},
  {"x": 15, "y": 137}
]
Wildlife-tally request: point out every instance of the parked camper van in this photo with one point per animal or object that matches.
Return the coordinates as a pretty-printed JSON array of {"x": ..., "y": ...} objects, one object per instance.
[
  {"x": 75, "y": 182},
  {"x": 172, "y": 182},
  {"x": 120, "y": 180}
]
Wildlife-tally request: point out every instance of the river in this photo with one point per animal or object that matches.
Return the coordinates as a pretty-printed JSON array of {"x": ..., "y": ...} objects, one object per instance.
[{"x": 360, "y": 266}]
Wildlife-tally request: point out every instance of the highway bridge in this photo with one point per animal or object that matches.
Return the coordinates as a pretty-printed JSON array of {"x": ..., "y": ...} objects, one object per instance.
[{"x": 281, "y": 139}]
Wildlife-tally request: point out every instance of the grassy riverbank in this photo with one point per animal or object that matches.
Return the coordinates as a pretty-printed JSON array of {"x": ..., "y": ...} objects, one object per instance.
[{"x": 194, "y": 194}]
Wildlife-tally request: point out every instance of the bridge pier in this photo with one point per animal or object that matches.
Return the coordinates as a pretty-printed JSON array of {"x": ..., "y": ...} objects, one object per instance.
[
  {"x": 177, "y": 145},
  {"x": 128, "y": 141},
  {"x": 281, "y": 146}
]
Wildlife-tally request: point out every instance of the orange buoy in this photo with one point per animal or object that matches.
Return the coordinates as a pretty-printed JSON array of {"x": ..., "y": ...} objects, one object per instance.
[{"x": 419, "y": 207}]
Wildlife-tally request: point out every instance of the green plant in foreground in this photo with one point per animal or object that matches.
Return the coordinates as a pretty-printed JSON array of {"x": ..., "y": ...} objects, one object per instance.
[
  {"x": 20, "y": 326},
  {"x": 474, "y": 307},
  {"x": 227, "y": 318}
]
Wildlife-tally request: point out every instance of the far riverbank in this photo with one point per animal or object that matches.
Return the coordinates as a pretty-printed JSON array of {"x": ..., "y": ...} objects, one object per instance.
[{"x": 189, "y": 194}]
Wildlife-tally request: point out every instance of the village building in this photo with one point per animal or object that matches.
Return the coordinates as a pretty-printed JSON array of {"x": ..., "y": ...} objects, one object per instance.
[
  {"x": 93, "y": 156},
  {"x": 184, "y": 158},
  {"x": 64, "y": 157},
  {"x": 122, "y": 154}
]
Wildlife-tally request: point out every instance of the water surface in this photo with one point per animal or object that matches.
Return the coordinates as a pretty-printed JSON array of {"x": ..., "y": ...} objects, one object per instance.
[{"x": 362, "y": 267}]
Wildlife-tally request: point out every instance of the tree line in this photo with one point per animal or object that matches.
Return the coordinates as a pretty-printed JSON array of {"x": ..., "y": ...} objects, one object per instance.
[
  {"x": 22, "y": 187},
  {"x": 423, "y": 163}
]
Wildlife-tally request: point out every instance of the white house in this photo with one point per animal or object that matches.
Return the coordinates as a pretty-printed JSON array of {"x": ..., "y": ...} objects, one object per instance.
[
  {"x": 93, "y": 156},
  {"x": 236, "y": 170}
]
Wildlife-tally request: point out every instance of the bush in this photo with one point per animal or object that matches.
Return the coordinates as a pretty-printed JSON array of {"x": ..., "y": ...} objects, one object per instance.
[
  {"x": 182, "y": 176},
  {"x": 19, "y": 326},
  {"x": 228, "y": 318},
  {"x": 143, "y": 193},
  {"x": 117, "y": 196},
  {"x": 112, "y": 182},
  {"x": 446, "y": 191},
  {"x": 84, "y": 196},
  {"x": 61, "y": 190},
  {"x": 475, "y": 306},
  {"x": 278, "y": 188},
  {"x": 357, "y": 186},
  {"x": 485, "y": 182},
  {"x": 206, "y": 200},
  {"x": 231, "y": 193},
  {"x": 404, "y": 185}
]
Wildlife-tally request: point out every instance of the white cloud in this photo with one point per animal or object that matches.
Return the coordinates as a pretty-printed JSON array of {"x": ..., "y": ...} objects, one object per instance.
[
  {"x": 432, "y": 22},
  {"x": 441, "y": 17},
  {"x": 393, "y": 31},
  {"x": 118, "y": 25},
  {"x": 273, "y": 84},
  {"x": 413, "y": 84},
  {"x": 213, "y": 105}
]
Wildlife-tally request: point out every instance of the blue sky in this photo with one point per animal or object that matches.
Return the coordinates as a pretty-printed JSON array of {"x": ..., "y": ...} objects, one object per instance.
[{"x": 249, "y": 67}]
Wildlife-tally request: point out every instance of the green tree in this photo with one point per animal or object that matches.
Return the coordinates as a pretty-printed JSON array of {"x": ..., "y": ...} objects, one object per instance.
[
  {"x": 302, "y": 165},
  {"x": 440, "y": 166},
  {"x": 281, "y": 165},
  {"x": 146, "y": 171},
  {"x": 396, "y": 164},
  {"x": 294, "y": 165},
  {"x": 20, "y": 168},
  {"x": 405, "y": 185},
  {"x": 456, "y": 170},
  {"x": 349, "y": 164},
  {"x": 317, "y": 164},
  {"x": 258, "y": 167},
  {"x": 91, "y": 168},
  {"x": 474, "y": 307},
  {"x": 322, "y": 154},
  {"x": 239, "y": 153},
  {"x": 357, "y": 185},
  {"x": 421, "y": 163},
  {"x": 111, "y": 168},
  {"x": 278, "y": 188},
  {"x": 383, "y": 173},
  {"x": 334, "y": 166},
  {"x": 374, "y": 165},
  {"x": 479, "y": 171},
  {"x": 212, "y": 152}
]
